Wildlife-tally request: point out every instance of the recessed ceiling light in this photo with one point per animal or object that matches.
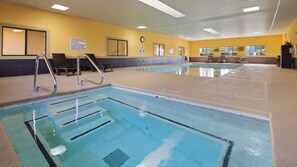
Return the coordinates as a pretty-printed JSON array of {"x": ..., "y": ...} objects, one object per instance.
[
  {"x": 257, "y": 33},
  {"x": 210, "y": 30},
  {"x": 163, "y": 7},
  {"x": 141, "y": 27},
  {"x": 252, "y": 9},
  {"x": 17, "y": 30},
  {"x": 60, "y": 7},
  {"x": 188, "y": 38}
]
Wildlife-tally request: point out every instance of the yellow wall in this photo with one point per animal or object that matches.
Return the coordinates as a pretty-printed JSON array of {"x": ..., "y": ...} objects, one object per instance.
[
  {"x": 62, "y": 28},
  {"x": 272, "y": 44},
  {"x": 291, "y": 33}
]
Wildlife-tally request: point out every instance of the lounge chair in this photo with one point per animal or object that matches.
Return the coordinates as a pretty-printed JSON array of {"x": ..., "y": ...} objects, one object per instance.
[
  {"x": 222, "y": 59},
  {"x": 210, "y": 59},
  {"x": 61, "y": 64},
  {"x": 104, "y": 67},
  {"x": 243, "y": 60}
]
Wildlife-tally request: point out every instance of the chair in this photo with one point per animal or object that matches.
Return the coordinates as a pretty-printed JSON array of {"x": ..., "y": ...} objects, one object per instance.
[
  {"x": 222, "y": 59},
  {"x": 104, "y": 67},
  {"x": 243, "y": 60},
  {"x": 210, "y": 59},
  {"x": 61, "y": 64}
]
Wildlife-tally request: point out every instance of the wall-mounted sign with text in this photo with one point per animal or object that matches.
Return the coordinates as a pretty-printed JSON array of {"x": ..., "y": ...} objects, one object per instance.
[{"x": 78, "y": 44}]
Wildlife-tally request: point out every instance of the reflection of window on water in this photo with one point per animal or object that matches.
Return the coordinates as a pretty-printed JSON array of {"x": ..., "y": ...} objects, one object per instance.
[
  {"x": 211, "y": 72},
  {"x": 206, "y": 72}
]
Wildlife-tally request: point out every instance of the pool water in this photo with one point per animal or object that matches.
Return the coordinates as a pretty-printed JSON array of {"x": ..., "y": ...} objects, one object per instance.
[
  {"x": 194, "y": 69},
  {"x": 115, "y": 127}
]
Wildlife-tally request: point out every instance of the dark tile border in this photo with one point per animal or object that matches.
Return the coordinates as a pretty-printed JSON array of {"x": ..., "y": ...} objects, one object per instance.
[
  {"x": 18, "y": 67},
  {"x": 48, "y": 158},
  {"x": 53, "y": 164}
]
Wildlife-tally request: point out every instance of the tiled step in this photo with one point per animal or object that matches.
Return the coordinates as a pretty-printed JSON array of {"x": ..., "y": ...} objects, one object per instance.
[
  {"x": 61, "y": 107},
  {"x": 76, "y": 117},
  {"x": 84, "y": 127},
  {"x": 72, "y": 116}
]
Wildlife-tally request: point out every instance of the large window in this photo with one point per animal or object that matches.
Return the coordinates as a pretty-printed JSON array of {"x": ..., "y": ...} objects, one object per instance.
[
  {"x": 255, "y": 50},
  {"x": 22, "y": 42},
  {"x": 159, "y": 49},
  {"x": 228, "y": 51},
  {"x": 117, "y": 47},
  {"x": 206, "y": 51}
]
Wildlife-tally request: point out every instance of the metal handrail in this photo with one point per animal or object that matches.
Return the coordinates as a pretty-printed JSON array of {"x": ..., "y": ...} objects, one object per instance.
[
  {"x": 93, "y": 63},
  {"x": 35, "y": 87},
  {"x": 140, "y": 63}
]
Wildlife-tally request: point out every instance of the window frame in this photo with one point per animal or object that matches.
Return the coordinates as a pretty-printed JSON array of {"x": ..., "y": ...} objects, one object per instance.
[
  {"x": 246, "y": 53},
  {"x": 159, "y": 53},
  {"x": 229, "y": 48},
  {"x": 118, "y": 40},
  {"x": 208, "y": 48},
  {"x": 26, "y": 40},
  {"x": 182, "y": 50}
]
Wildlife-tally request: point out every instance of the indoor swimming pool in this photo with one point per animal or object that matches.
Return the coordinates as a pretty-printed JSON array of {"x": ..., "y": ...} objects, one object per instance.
[
  {"x": 114, "y": 127},
  {"x": 194, "y": 69}
]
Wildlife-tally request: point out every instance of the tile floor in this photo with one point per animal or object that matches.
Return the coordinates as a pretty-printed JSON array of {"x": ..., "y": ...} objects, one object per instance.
[{"x": 259, "y": 90}]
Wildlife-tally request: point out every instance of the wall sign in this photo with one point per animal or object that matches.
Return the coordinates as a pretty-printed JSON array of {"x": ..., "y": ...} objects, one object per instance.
[
  {"x": 141, "y": 50},
  {"x": 78, "y": 44}
]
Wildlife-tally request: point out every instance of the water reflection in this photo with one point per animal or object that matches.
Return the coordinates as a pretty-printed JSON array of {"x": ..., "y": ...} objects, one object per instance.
[
  {"x": 34, "y": 124},
  {"x": 201, "y": 70}
]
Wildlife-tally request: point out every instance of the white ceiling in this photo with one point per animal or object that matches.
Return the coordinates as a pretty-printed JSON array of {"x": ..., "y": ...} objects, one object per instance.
[{"x": 225, "y": 16}]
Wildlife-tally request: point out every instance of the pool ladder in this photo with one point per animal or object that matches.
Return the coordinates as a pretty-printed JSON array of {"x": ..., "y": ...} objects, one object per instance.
[
  {"x": 35, "y": 87},
  {"x": 94, "y": 64},
  {"x": 140, "y": 63}
]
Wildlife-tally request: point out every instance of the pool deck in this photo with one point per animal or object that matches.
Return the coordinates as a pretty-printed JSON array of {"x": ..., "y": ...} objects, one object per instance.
[{"x": 264, "y": 91}]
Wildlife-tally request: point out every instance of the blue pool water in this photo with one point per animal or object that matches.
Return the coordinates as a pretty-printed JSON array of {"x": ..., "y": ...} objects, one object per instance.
[
  {"x": 114, "y": 127},
  {"x": 202, "y": 70}
]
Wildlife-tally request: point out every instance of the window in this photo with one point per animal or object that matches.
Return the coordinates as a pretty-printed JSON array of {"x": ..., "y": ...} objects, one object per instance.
[
  {"x": 206, "y": 51},
  {"x": 159, "y": 49},
  {"x": 181, "y": 51},
  {"x": 117, "y": 47},
  {"x": 255, "y": 50},
  {"x": 228, "y": 51},
  {"x": 22, "y": 42}
]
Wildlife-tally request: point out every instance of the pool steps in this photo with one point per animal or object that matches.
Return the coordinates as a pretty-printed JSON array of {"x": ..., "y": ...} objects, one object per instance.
[{"x": 77, "y": 117}]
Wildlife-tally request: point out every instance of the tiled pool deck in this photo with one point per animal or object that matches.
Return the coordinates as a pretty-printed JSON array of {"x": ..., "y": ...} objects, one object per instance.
[{"x": 259, "y": 90}]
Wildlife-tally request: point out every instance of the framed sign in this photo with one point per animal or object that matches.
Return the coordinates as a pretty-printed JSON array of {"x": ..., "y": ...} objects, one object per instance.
[{"x": 78, "y": 44}]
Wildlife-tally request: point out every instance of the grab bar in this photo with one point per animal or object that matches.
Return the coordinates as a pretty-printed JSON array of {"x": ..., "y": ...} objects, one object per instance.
[
  {"x": 93, "y": 63},
  {"x": 35, "y": 87},
  {"x": 140, "y": 63}
]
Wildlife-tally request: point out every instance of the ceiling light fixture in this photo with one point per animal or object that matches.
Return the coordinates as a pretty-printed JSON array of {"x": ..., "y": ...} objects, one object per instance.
[
  {"x": 141, "y": 27},
  {"x": 257, "y": 33},
  {"x": 252, "y": 9},
  {"x": 210, "y": 30},
  {"x": 163, "y": 7},
  {"x": 60, "y": 7},
  {"x": 188, "y": 38},
  {"x": 17, "y": 30}
]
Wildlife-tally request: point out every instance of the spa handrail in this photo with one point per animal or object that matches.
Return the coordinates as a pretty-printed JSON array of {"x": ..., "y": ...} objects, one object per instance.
[
  {"x": 35, "y": 87},
  {"x": 94, "y": 64}
]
